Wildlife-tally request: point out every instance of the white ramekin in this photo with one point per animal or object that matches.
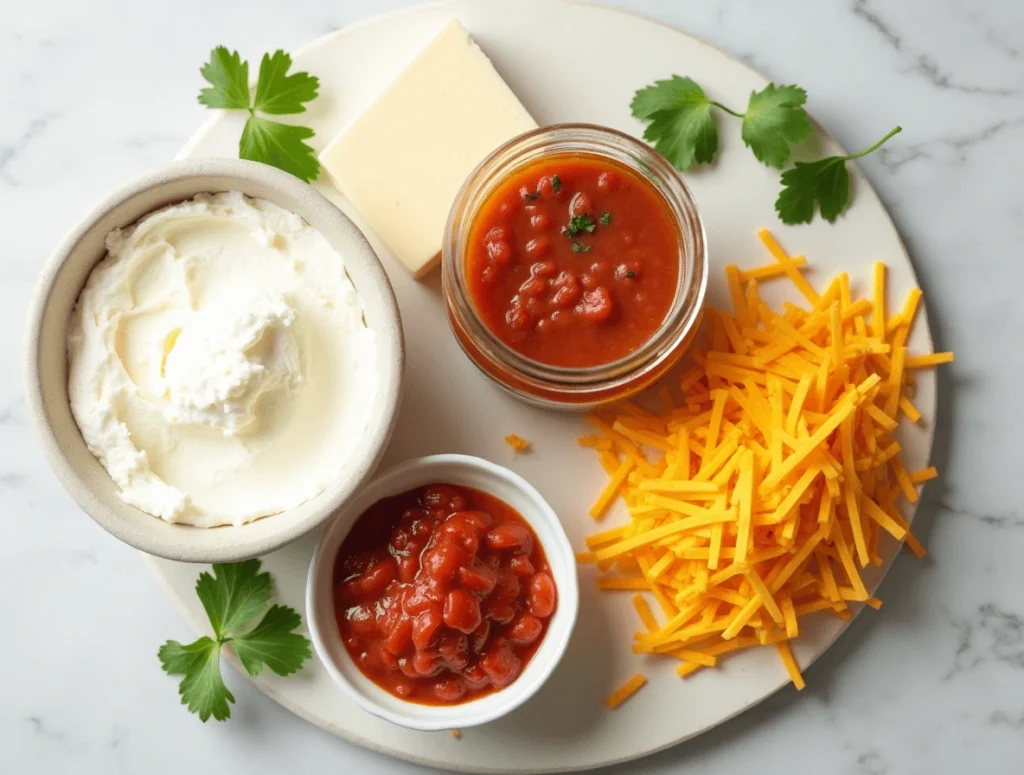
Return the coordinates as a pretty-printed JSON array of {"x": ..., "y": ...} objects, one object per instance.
[{"x": 469, "y": 472}]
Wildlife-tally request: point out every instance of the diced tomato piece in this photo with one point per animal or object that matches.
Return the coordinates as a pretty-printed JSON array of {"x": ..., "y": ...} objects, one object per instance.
[
  {"x": 462, "y": 611},
  {"x": 442, "y": 561},
  {"x": 521, "y": 565},
  {"x": 425, "y": 627},
  {"x": 542, "y": 595},
  {"x": 400, "y": 637},
  {"x": 500, "y": 611},
  {"x": 596, "y": 305},
  {"x": 524, "y": 630},
  {"x": 500, "y": 663},
  {"x": 449, "y": 689},
  {"x": 510, "y": 536},
  {"x": 478, "y": 578}
]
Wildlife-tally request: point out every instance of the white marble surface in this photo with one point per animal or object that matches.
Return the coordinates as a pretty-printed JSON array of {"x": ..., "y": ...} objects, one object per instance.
[{"x": 94, "y": 92}]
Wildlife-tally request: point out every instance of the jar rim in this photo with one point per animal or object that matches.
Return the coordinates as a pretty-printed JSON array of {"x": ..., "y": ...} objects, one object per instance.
[{"x": 679, "y": 322}]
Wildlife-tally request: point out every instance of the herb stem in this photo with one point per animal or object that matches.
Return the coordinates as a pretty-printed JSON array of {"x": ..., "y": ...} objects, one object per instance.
[
  {"x": 727, "y": 110},
  {"x": 876, "y": 146}
]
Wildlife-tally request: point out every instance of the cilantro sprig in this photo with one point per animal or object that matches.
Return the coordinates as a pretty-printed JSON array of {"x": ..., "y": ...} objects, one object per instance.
[
  {"x": 277, "y": 93},
  {"x": 682, "y": 128},
  {"x": 825, "y": 182},
  {"x": 233, "y": 596}
]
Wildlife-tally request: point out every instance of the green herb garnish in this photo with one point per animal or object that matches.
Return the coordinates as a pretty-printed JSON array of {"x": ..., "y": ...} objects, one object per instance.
[
  {"x": 579, "y": 224},
  {"x": 532, "y": 195},
  {"x": 556, "y": 184},
  {"x": 605, "y": 218},
  {"x": 825, "y": 182},
  {"x": 630, "y": 275},
  {"x": 233, "y": 596},
  {"x": 682, "y": 128},
  {"x": 277, "y": 93},
  {"x": 579, "y": 247}
]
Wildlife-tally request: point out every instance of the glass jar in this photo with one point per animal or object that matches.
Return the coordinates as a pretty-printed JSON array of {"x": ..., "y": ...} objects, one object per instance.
[{"x": 565, "y": 387}]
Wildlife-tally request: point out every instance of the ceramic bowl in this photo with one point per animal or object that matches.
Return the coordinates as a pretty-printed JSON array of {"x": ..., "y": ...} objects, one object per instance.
[
  {"x": 468, "y": 472},
  {"x": 46, "y": 372}
]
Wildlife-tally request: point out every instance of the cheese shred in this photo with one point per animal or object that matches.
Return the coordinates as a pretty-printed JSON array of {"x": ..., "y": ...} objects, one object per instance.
[{"x": 760, "y": 491}]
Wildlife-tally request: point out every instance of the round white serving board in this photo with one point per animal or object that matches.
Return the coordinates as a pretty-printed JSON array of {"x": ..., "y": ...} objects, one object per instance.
[{"x": 567, "y": 62}]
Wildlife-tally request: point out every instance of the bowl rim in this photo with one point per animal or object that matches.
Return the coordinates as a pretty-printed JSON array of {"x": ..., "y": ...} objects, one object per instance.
[
  {"x": 303, "y": 197},
  {"x": 334, "y": 535}
]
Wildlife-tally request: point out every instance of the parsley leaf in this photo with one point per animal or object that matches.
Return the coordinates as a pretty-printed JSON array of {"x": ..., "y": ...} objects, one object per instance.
[
  {"x": 774, "y": 122},
  {"x": 579, "y": 224},
  {"x": 279, "y": 145},
  {"x": 235, "y": 594},
  {"x": 263, "y": 140},
  {"x": 230, "y": 78},
  {"x": 681, "y": 126},
  {"x": 605, "y": 218},
  {"x": 556, "y": 183},
  {"x": 272, "y": 643},
  {"x": 202, "y": 688},
  {"x": 579, "y": 247},
  {"x": 825, "y": 183},
  {"x": 630, "y": 275},
  {"x": 277, "y": 92},
  {"x": 532, "y": 195}
]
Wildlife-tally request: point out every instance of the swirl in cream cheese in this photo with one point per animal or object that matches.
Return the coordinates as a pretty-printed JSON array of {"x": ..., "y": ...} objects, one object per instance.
[{"x": 219, "y": 365}]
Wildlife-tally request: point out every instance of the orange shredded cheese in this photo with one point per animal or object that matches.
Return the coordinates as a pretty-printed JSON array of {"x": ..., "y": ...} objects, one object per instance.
[
  {"x": 517, "y": 443},
  {"x": 624, "y": 692},
  {"x": 761, "y": 495}
]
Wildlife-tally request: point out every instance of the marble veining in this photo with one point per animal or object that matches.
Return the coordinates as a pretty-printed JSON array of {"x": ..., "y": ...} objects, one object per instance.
[{"x": 931, "y": 684}]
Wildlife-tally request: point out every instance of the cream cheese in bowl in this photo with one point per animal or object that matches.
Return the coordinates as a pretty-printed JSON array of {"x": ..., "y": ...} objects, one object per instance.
[{"x": 219, "y": 364}]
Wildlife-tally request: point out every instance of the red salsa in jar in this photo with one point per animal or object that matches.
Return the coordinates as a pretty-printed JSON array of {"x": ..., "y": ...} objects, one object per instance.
[
  {"x": 573, "y": 260},
  {"x": 442, "y": 594}
]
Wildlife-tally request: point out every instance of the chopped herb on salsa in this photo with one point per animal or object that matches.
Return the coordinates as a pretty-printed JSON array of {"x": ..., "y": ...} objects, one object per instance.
[
  {"x": 605, "y": 218},
  {"x": 579, "y": 247},
  {"x": 630, "y": 275},
  {"x": 556, "y": 183},
  {"x": 579, "y": 224},
  {"x": 532, "y": 195}
]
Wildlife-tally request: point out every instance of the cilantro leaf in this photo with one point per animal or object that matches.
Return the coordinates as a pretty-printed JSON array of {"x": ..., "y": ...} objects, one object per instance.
[
  {"x": 579, "y": 247},
  {"x": 681, "y": 126},
  {"x": 775, "y": 120},
  {"x": 272, "y": 643},
  {"x": 202, "y": 689},
  {"x": 556, "y": 183},
  {"x": 825, "y": 183},
  {"x": 236, "y": 593},
  {"x": 605, "y": 218},
  {"x": 579, "y": 224},
  {"x": 229, "y": 77},
  {"x": 280, "y": 145},
  {"x": 277, "y": 92}
]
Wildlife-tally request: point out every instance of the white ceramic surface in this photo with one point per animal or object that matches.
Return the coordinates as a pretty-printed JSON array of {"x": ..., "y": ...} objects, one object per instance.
[
  {"x": 46, "y": 359},
  {"x": 451, "y": 408},
  {"x": 465, "y": 471}
]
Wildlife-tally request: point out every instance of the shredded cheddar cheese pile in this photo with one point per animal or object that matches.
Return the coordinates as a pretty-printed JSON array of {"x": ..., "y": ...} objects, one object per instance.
[{"x": 772, "y": 478}]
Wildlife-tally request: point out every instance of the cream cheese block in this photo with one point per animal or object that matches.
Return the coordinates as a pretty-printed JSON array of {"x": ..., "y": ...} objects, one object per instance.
[{"x": 402, "y": 162}]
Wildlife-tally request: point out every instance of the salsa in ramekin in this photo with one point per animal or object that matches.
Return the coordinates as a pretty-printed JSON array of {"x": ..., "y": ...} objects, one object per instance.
[
  {"x": 574, "y": 266},
  {"x": 442, "y": 594}
]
